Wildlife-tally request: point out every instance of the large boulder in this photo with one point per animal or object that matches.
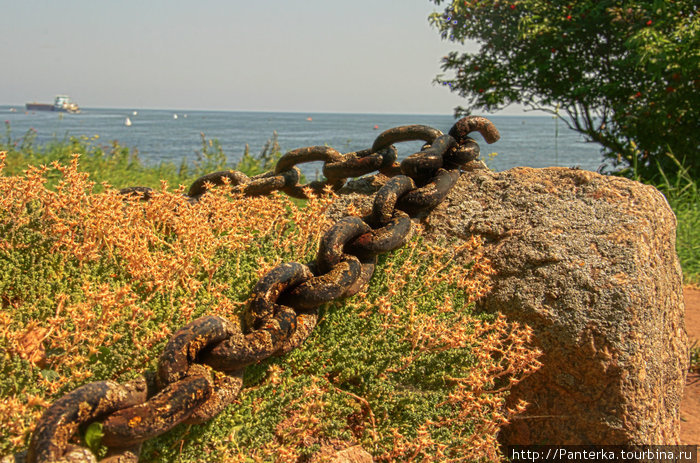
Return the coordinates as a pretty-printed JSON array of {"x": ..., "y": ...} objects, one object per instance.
[{"x": 588, "y": 261}]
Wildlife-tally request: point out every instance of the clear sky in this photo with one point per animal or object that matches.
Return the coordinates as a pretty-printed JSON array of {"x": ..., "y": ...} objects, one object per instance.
[{"x": 365, "y": 56}]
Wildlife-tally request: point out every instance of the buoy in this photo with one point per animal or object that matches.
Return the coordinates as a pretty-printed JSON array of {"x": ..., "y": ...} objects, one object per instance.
[
  {"x": 309, "y": 119},
  {"x": 376, "y": 127}
]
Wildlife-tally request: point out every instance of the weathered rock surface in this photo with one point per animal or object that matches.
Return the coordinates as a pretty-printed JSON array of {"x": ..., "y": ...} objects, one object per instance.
[
  {"x": 353, "y": 454},
  {"x": 589, "y": 262}
]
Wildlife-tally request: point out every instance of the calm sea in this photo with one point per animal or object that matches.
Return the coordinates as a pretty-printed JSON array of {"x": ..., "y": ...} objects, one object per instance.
[{"x": 171, "y": 136}]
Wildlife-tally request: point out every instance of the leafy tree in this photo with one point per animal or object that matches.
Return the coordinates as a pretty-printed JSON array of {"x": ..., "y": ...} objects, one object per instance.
[{"x": 626, "y": 73}]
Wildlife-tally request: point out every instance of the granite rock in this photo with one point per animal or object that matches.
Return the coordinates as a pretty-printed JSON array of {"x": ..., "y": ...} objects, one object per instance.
[{"x": 589, "y": 262}]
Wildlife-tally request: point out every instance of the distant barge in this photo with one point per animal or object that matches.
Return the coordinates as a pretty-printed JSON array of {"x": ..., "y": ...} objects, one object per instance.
[{"x": 62, "y": 103}]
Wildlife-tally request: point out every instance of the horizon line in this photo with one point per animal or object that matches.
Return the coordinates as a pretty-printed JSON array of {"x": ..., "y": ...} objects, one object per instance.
[{"x": 183, "y": 110}]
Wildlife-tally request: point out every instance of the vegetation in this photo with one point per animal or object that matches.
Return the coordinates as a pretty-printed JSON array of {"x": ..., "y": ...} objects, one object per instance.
[
  {"x": 94, "y": 284},
  {"x": 120, "y": 166},
  {"x": 93, "y": 287},
  {"x": 623, "y": 73},
  {"x": 112, "y": 163},
  {"x": 695, "y": 358},
  {"x": 682, "y": 192}
]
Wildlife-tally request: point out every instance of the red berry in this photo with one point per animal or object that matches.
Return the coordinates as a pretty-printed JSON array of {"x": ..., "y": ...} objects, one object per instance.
[
  {"x": 512, "y": 7},
  {"x": 649, "y": 23},
  {"x": 568, "y": 17}
]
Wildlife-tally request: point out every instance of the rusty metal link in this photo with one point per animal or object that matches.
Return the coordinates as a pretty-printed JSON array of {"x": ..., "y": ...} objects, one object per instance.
[
  {"x": 361, "y": 163},
  {"x": 405, "y": 133},
  {"x": 201, "y": 368},
  {"x": 259, "y": 185},
  {"x": 385, "y": 199},
  {"x": 391, "y": 228},
  {"x": 144, "y": 193},
  {"x": 184, "y": 346},
  {"x": 324, "y": 288},
  {"x": 427, "y": 197},
  {"x": 391, "y": 236},
  {"x": 227, "y": 386},
  {"x": 87, "y": 403},
  {"x": 266, "y": 183},
  {"x": 182, "y": 351},
  {"x": 162, "y": 412},
  {"x": 271, "y": 325},
  {"x": 241, "y": 350},
  {"x": 367, "y": 266},
  {"x": 461, "y": 154},
  {"x": 463, "y": 127},
  {"x": 424, "y": 164},
  {"x": 231, "y": 177},
  {"x": 310, "y": 154},
  {"x": 262, "y": 302},
  {"x": 330, "y": 249}
]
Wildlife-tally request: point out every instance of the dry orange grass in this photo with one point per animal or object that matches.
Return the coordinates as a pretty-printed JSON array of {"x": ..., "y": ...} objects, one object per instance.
[
  {"x": 116, "y": 276},
  {"x": 163, "y": 249}
]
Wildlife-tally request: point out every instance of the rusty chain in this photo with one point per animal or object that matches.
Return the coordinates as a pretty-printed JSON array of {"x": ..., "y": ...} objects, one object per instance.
[{"x": 200, "y": 371}]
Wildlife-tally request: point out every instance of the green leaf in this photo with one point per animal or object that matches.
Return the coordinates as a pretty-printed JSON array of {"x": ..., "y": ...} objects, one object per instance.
[
  {"x": 50, "y": 375},
  {"x": 93, "y": 436}
]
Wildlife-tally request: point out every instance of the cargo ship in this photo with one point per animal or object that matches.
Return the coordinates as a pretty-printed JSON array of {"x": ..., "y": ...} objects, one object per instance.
[{"x": 61, "y": 103}]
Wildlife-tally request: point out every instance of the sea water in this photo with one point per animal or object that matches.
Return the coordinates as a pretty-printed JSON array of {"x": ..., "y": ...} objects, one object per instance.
[{"x": 175, "y": 135}]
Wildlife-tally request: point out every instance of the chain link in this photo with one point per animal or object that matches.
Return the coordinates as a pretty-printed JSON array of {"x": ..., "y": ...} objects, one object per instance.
[{"x": 201, "y": 368}]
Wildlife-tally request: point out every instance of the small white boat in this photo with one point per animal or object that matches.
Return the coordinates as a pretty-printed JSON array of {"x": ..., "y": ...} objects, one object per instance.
[
  {"x": 174, "y": 116},
  {"x": 127, "y": 122},
  {"x": 135, "y": 113}
]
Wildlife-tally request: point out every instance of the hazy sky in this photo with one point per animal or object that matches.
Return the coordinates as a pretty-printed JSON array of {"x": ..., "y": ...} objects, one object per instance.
[{"x": 367, "y": 56}]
